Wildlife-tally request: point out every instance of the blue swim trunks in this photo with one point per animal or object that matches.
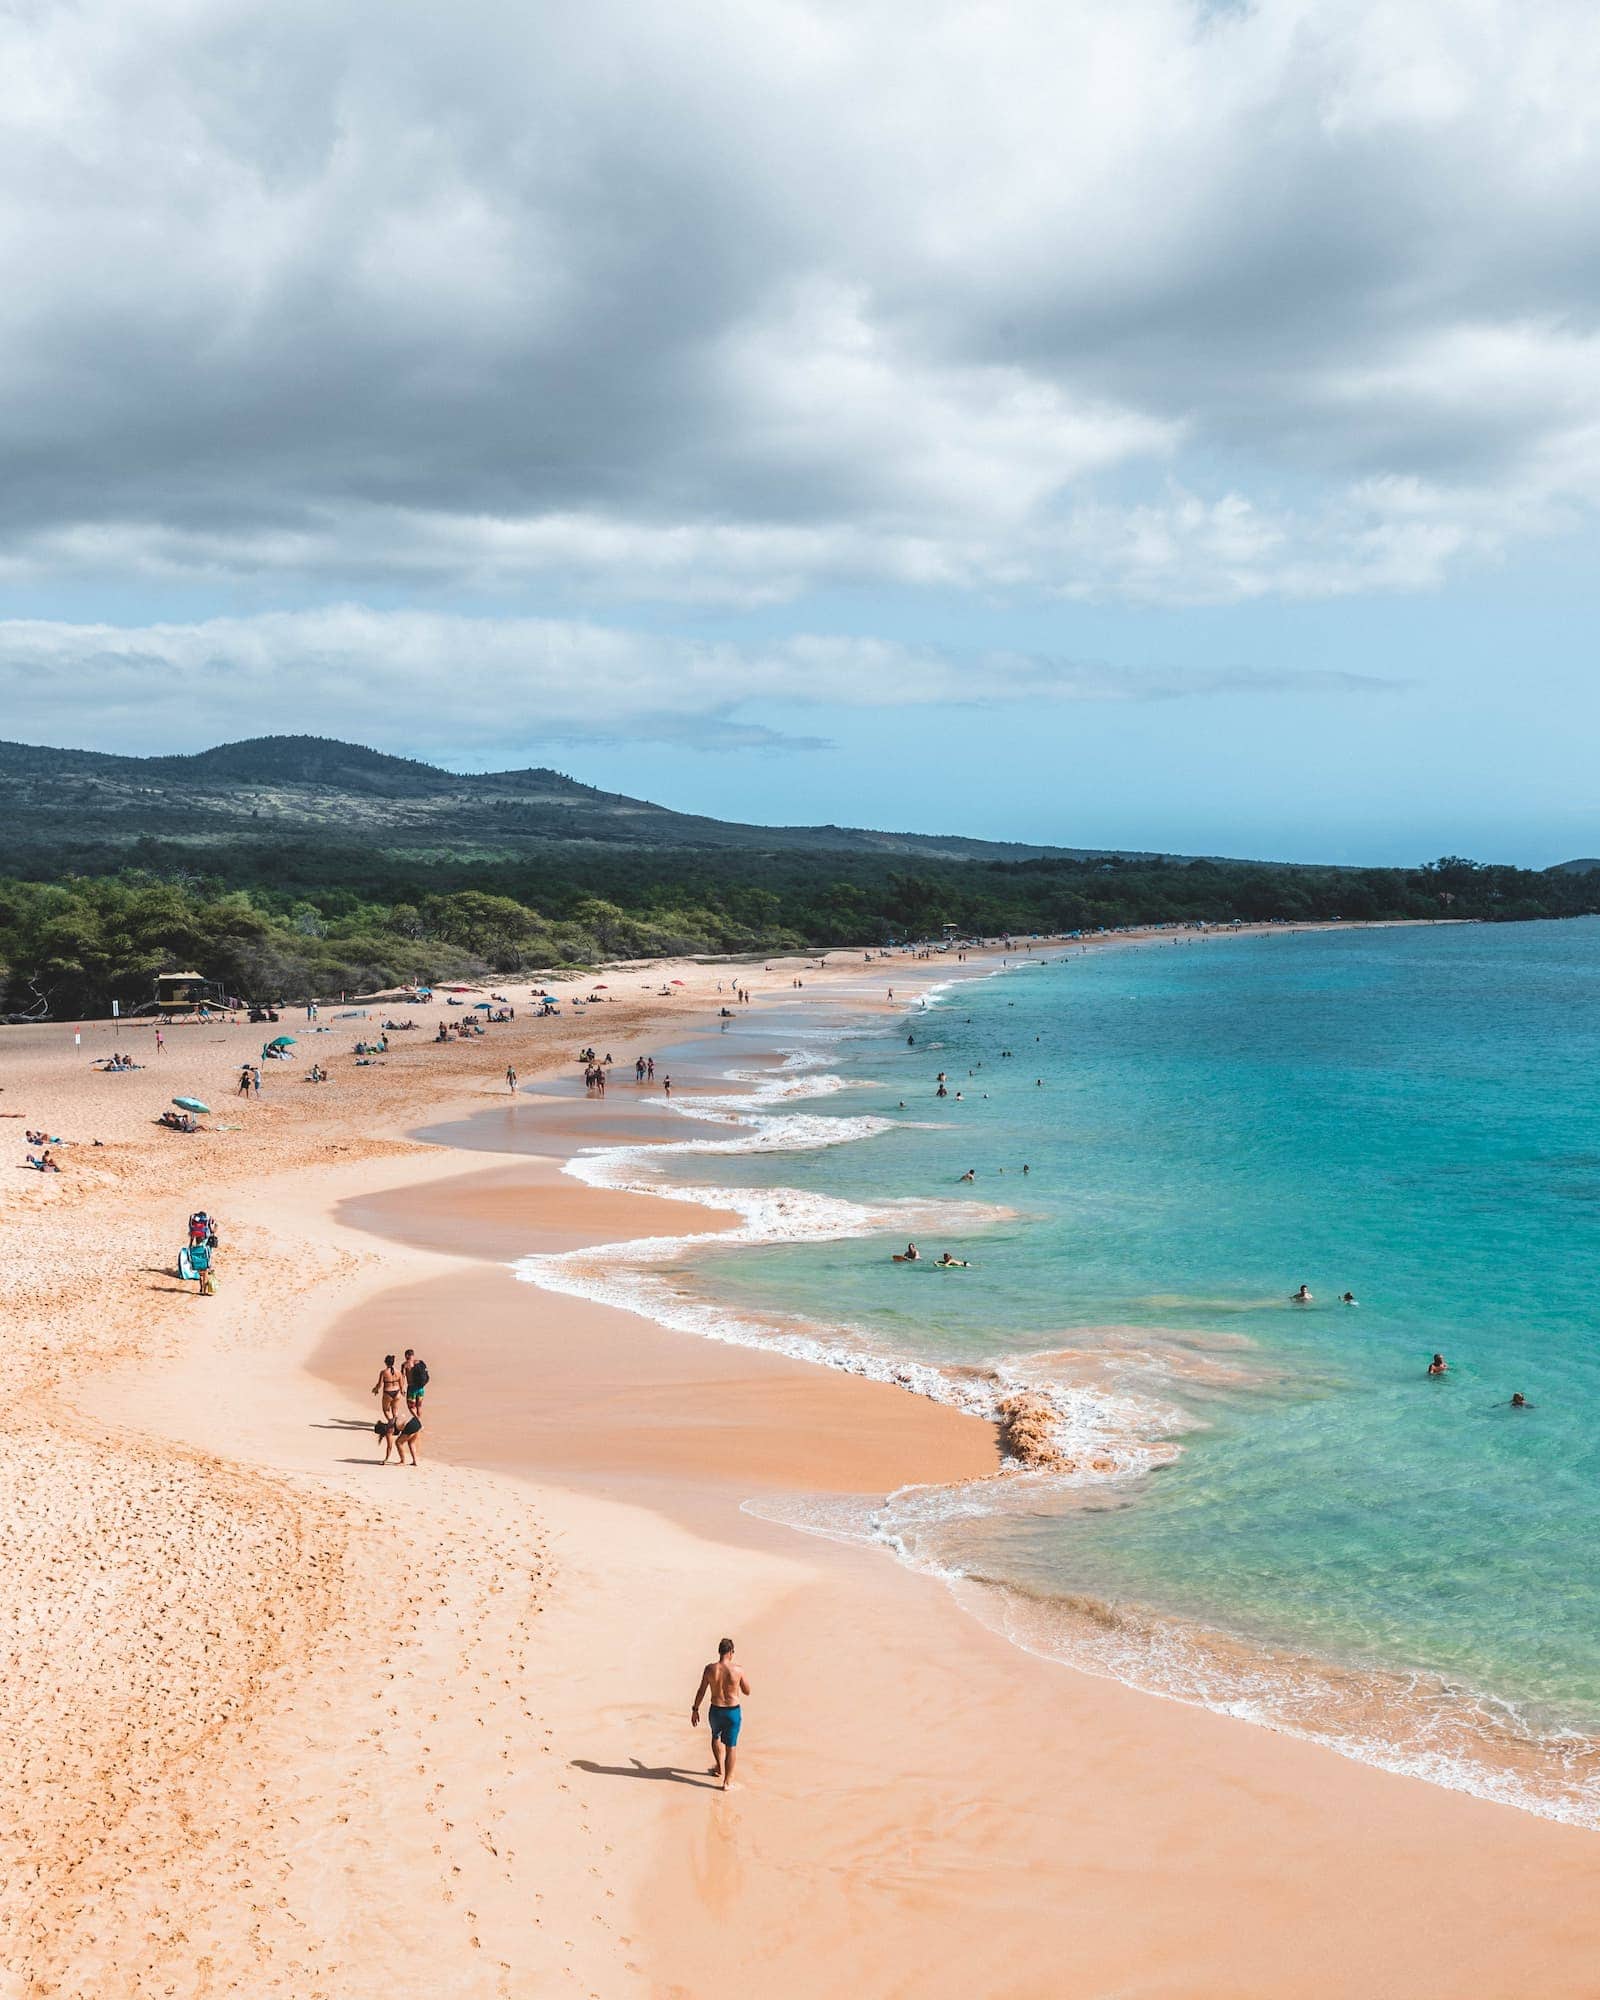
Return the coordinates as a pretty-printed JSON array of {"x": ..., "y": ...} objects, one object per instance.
[{"x": 725, "y": 1724}]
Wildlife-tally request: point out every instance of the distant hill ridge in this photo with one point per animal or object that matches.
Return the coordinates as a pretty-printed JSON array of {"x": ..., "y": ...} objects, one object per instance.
[{"x": 298, "y": 786}]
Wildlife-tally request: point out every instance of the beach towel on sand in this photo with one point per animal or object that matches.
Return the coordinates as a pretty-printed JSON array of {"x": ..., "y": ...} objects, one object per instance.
[{"x": 185, "y": 1264}]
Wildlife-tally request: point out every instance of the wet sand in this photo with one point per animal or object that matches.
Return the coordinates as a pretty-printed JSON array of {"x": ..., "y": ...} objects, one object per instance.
[
  {"x": 282, "y": 1722},
  {"x": 926, "y": 1810},
  {"x": 568, "y": 1388}
]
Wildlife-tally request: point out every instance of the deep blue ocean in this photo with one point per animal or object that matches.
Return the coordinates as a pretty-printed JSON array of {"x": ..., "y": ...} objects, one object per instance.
[{"x": 1267, "y": 1507}]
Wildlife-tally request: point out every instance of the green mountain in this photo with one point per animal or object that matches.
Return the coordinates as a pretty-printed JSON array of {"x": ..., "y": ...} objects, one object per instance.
[{"x": 278, "y": 788}]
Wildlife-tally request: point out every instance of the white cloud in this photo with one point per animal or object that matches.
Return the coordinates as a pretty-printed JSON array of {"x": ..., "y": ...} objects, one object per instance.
[
  {"x": 726, "y": 302},
  {"x": 492, "y": 687}
]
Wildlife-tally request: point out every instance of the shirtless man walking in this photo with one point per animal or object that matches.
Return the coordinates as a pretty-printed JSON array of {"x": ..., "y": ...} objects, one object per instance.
[{"x": 723, "y": 1681}]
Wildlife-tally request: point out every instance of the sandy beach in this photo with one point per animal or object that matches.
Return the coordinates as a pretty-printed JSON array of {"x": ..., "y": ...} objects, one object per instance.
[{"x": 281, "y": 1720}]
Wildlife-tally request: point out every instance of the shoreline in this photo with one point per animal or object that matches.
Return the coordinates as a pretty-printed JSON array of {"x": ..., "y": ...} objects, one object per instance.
[
  {"x": 451, "y": 1669},
  {"x": 1355, "y": 1711},
  {"x": 883, "y": 1952}
]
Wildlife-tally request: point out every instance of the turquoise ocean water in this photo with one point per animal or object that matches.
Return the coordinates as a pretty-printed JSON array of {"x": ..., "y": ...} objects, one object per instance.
[{"x": 1266, "y": 1508}]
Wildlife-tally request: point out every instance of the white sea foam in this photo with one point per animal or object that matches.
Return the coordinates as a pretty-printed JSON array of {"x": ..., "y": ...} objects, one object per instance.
[
  {"x": 1099, "y": 1434},
  {"x": 1413, "y": 1724},
  {"x": 1406, "y": 1724}
]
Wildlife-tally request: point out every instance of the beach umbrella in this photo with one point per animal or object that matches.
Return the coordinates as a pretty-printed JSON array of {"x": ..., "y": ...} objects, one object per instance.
[
  {"x": 281, "y": 1042},
  {"x": 190, "y": 1104},
  {"x": 483, "y": 1006}
]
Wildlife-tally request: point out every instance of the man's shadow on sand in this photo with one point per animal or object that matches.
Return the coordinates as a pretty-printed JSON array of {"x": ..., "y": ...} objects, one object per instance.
[{"x": 668, "y": 1774}]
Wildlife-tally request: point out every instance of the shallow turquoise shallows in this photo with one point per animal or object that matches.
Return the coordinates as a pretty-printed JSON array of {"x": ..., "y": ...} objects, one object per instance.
[{"x": 1271, "y": 1507}]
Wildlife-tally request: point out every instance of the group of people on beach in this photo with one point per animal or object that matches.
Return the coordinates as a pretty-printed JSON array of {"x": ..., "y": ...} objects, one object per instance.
[
  {"x": 463, "y": 1030},
  {"x": 404, "y": 1381}
]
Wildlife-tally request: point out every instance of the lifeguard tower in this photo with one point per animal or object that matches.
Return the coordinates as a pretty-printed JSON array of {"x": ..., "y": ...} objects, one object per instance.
[{"x": 188, "y": 993}]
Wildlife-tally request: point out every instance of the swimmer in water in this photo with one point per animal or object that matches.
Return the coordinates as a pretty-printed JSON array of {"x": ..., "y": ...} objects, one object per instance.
[
  {"x": 1438, "y": 1365},
  {"x": 912, "y": 1253},
  {"x": 948, "y": 1263},
  {"x": 970, "y": 1175},
  {"x": 1301, "y": 1297},
  {"x": 1520, "y": 1402},
  {"x": 1348, "y": 1299}
]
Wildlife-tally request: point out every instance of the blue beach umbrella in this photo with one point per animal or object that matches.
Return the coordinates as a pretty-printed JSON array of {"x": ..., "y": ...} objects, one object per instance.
[{"x": 190, "y": 1104}]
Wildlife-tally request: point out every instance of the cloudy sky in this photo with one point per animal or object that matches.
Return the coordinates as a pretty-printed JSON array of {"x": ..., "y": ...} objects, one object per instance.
[{"x": 1144, "y": 422}]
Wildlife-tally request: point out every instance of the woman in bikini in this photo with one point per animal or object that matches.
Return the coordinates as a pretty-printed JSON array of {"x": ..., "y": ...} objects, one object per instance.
[{"x": 391, "y": 1386}]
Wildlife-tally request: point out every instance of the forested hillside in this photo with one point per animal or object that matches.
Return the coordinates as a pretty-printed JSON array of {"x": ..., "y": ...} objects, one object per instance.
[
  {"x": 83, "y": 809},
  {"x": 283, "y": 923}
]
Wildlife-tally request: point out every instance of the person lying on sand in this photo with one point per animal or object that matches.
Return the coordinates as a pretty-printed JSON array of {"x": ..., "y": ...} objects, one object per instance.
[
  {"x": 723, "y": 1681},
  {"x": 46, "y": 1162}
]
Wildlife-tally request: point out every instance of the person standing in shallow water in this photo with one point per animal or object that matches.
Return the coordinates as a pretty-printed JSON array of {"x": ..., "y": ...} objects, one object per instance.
[{"x": 723, "y": 1685}]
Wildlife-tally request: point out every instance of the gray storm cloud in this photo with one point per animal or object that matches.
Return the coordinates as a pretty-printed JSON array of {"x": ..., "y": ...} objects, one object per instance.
[{"x": 1127, "y": 298}]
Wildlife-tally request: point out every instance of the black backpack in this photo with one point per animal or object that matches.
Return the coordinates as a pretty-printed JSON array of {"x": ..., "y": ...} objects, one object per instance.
[{"x": 419, "y": 1376}]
